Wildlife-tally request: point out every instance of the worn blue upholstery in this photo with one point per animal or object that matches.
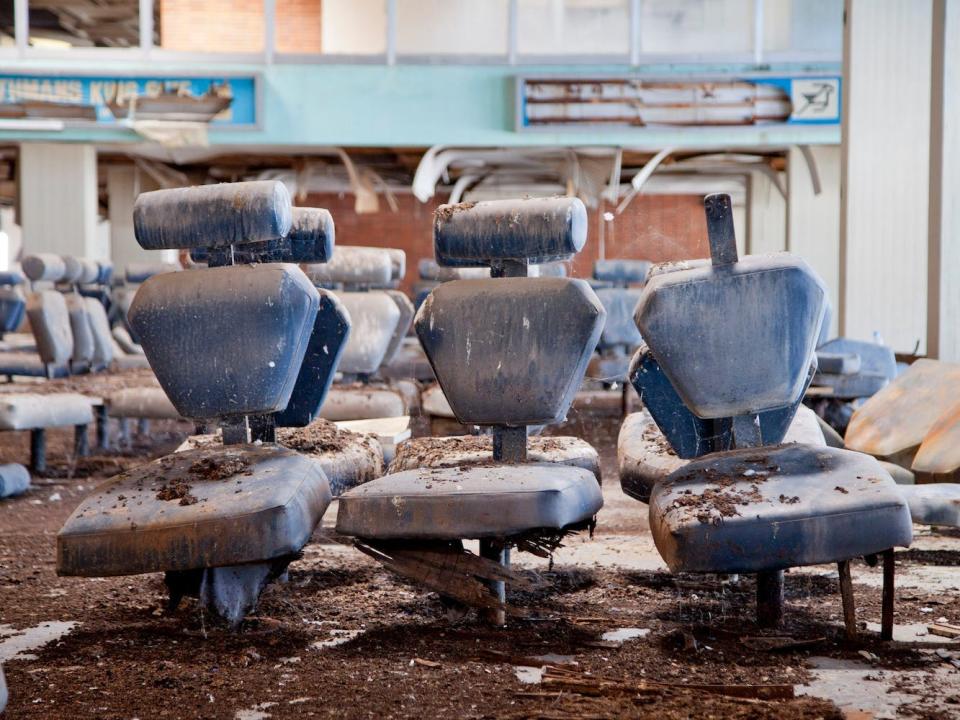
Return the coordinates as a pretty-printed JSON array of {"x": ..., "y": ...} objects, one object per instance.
[
  {"x": 722, "y": 337},
  {"x": 14, "y": 480},
  {"x": 137, "y": 521},
  {"x": 619, "y": 330},
  {"x": 537, "y": 229},
  {"x": 687, "y": 434},
  {"x": 776, "y": 507},
  {"x": 310, "y": 240},
  {"x": 877, "y": 366},
  {"x": 13, "y": 306},
  {"x": 510, "y": 351},
  {"x": 212, "y": 216},
  {"x": 327, "y": 342},
  {"x": 621, "y": 271},
  {"x": 227, "y": 340},
  {"x": 469, "y": 502},
  {"x": 10, "y": 277}
]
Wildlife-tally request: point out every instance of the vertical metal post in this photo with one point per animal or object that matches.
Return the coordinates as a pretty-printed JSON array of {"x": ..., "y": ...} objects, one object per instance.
[
  {"x": 81, "y": 444},
  {"x": 886, "y": 616},
  {"x": 769, "y": 598},
  {"x": 38, "y": 451},
  {"x": 391, "y": 32},
  {"x": 143, "y": 426},
  {"x": 269, "y": 30},
  {"x": 758, "y": 32},
  {"x": 235, "y": 430},
  {"x": 846, "y": 597},
  {"x": 746, "y": 431},
  {"x": 720, "y": 229},
  {"x": 103, "y": 427},
  {"x": 146, "y": 26},
  {"x": 21, "y": 25},
  {"x": 493, "y": 549},
  {"x": 636, "y": 9},
  {"x": 510, "y": 444},
  {"x": 263, "y": 428}
]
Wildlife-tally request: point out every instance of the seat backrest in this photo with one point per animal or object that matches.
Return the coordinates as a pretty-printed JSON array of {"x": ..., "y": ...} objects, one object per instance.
[
  {"x": 353, "y": 268},
  {"x": 44, "y": 267},
  {"x": 619, "y": 330},
  {"x": 510, "y": 351},
  {"x": 102, "y": 354},
  {"x": 50, "y": 324},
  {"x": 735, "y": 337},
  {"x": 226, "y": 342},
  {"x": 83, "y": 341},
  {"x": 621, "y": 272},
  {"x": 13, "y": 305}
]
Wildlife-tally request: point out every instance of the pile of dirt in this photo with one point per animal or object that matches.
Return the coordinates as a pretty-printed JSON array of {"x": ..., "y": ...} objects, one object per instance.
[
  {"x": 319, "y": 437},
  {"x": 218, "y": 467},
  {"x": 177, "y": 490}
]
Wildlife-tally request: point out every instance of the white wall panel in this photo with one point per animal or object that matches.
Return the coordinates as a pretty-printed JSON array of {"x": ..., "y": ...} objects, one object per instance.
[
  {"x": 766, "y": 215},
  {"x": 886, "y": 107},
  {"x": 813, "y": 221}
]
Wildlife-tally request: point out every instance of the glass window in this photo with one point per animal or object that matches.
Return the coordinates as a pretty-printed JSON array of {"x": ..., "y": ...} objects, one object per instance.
[
  {"x": 452, "y": 27},
  {"x": 573, "y": 27},
  {"x": 353, "y": 27},
  {"x": 234, "y": 26},
  {"x": 803, "y": 25},
  {"x": 84, "y": 23},
  {"x": 7, "y": 28},
  {"x": 696, "y": 27}
]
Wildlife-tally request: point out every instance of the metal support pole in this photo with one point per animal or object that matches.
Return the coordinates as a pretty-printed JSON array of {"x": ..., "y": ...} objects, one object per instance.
[
  {"x": 81, "y": 444},
  {"x": 263, "y": 428},
  {"x": 103, "y": 427},
  {"x": 886, "y": 617},
  {"x": 769, "y": 598},
  {"x": 846, "y": 597},
  {"x": 236, "y": 431},
  {"x": 143, "y": 426},
  {"x": 493, "y": 549},
  {"x": 509, "y": 444},
  {"x": 125, "y": 432},
  {"x": 38, "y": 451}
]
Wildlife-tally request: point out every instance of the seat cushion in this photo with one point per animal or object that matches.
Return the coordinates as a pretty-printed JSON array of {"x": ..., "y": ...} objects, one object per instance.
[
  {"x": 141, "y": 402},
  {"x": 14, "y": 479},
  {"x": 27, "y": 364},
  {"x": 473, "y": 502},
  {"x": 359, "y": 401},
  {"x": 776, "y": 507},
  {"x": 933, "y": 504},
  {"x": 471, "y": 450},
  {"x": 347, "y": 458},
  {"x": 196, "y": 509},
  {"x": 873, "y": 358},
  {"x": 30, "y": 411},
  {"x": 893, "y": 423}
]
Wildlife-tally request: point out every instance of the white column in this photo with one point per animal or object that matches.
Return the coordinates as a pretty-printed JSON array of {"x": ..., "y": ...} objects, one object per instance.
[
  {"x": 766, "y": 215},
  {"x": 813, "y": 221},
  {"x": 124, "y": 183},
  {"x": 943, "y": 293},
  {"x": 57, "y": 190},
  {"x": 885, "y": 172}
]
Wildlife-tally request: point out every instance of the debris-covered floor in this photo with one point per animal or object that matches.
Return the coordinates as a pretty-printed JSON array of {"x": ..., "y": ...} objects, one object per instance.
[{"x": 610, "y": 633}]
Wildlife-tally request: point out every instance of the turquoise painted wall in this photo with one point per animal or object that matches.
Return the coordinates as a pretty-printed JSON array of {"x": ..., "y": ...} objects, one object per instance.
[{"x": 420, "y": 105}]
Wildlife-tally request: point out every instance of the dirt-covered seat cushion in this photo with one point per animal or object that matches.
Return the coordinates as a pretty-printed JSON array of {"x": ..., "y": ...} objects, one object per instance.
[
  {"x": 470, "y": 450},
  {"x": 141, "y": 402},
  {"x": 359, "y": 401},
  {"x": 196, "y": 509},
  {"x": 348, "y": 458},
  {"x": 472, "y": 502},
  {"x": 934, "y": 503},
  {"x": 29, "y": 411},
  {"x": 776, "y": 507},
  {"x": 29, "y": 364},
  {"x": 645, "y": 456}
]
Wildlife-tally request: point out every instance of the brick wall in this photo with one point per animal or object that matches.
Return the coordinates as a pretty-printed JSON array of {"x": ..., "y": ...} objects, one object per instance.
[
  {"x": 237, "y": 25},
  {"x": 654, "y": 227},
  {"x": 212, "y": 25}
]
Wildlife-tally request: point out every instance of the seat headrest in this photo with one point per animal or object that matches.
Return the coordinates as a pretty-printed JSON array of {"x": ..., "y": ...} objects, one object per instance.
[
  {"x": 89, "y": 271},
  {"x": 44, "y": 267},
  {"x": 310, "y": 240},
  {"x": 353, "y": 266},
  {"x": 619, "y": 328},
  {"x": 73, "y": 269},
  {"x": 621, "y": 271},
  {"x": 212, "y": 216},
  {"x": 196, "y": 328},
  {"x": 136, "y": 273},
  {"x": 510, "y": 351},
  {"x": 735, "y": 337},
  {"x": 536, "y": 230},
  {"x": 10, "y": 277}
]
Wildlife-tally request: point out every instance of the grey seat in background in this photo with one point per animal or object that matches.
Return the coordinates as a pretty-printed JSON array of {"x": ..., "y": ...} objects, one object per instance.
[
  {"x": 213, "y": 542},
  {"x": 509, "y": 351},
  {"x": 733, "y": 342},
  {"x": 14, "y": 480},
  {"x": 13, "y": 305}
]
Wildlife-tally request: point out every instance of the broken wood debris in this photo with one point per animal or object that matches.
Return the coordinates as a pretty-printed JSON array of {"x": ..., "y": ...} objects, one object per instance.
[
  {"x": 944, "y": 630},
  {"x": 449, "y": 570},
  {"x": 562, "y": 679}
]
